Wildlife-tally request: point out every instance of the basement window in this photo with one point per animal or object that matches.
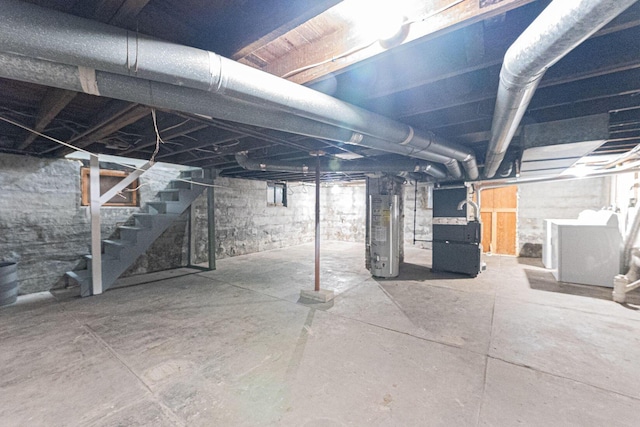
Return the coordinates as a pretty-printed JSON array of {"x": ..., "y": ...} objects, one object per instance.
[
  {"x": 109, "y": 178},
  {"x": 276, "y": 194}
]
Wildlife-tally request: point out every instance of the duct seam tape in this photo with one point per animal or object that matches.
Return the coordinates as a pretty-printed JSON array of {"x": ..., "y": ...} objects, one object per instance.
[
  {"x": 88, "y": 80},
  {"x": 356, "y": 138},
  {"x": 215, "y": 73},
  {"x": 409, "y": 137}
]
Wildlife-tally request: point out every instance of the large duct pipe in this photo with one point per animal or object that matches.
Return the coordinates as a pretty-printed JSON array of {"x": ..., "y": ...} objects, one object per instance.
[
  {"x": 37, "y": 32},
  {"x": 334, "y": 165},
  {"x": 561, "y": 27},
  {"x": 162, "y": 95},
  {"x": 272, "y": 166}
]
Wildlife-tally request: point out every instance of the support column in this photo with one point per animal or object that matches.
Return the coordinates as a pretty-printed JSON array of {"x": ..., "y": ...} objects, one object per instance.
[
  {"x": 367, "y": 228},
  {"x": 317, "y": 252},
  {"x": 211, "y": 220},
  {"x": 96, "y": 244},
  {"x": 191, "y": 259},
  {"x": 317, "y": 295}
]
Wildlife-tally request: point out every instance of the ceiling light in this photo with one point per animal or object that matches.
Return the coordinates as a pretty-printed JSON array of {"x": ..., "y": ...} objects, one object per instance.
[
  {"x": 348, "y": 156},
  {"x": 375, "y": 19}
]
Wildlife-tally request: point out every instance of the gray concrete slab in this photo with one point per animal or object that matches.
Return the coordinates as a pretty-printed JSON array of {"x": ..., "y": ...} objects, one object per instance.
[
  {"x": 236, "y": 347},
  {"x": 515, "y": 395},
  {"x": 462, "y": 319},
  {"x": 54, "y": 372},
  {"x": 602, "y": 351},
  {"x": 535, "y": 284},
  {"x": 369, "y": 303},
  {"x": 352, "y": 373}
]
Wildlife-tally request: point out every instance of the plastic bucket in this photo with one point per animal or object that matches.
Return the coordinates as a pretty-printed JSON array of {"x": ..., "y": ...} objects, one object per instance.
[{"x": 8, "y": 283}]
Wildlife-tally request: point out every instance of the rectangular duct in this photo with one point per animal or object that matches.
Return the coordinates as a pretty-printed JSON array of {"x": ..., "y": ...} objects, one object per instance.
[{"x": 551, "y": 148}]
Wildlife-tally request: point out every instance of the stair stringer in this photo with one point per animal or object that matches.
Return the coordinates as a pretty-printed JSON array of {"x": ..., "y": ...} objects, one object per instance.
[{"x": 118, "y": 255}]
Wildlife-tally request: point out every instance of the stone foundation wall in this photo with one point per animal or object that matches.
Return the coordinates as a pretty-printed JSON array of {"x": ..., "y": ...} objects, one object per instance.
[
  {"x": 245, "y": 224},
  {"x": 46, "y": 231},
  {"x": 343, "y": 212}
]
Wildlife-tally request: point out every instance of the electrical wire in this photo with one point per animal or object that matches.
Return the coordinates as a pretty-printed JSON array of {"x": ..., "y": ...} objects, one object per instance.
[
  {"x": 57, "y": 141},
  {"x": 159, "y": 140},
  {"x": 368, "y": 45},
  {"x": 175, "y": 126},
  {"x": 435, "y": 12},
  {"x": 326, "y": 61}
]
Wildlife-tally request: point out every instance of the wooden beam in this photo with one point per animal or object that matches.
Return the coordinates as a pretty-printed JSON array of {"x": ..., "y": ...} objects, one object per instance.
[
  {"x": 609, "y": 86},
  {"x": 121, "y": 13},
  {"x": 114, "y": 124},
  {"x": 149, "y": 140},
  {"x": 113, "y": 110},
  {"x": 310, "y": 12},
  {"x": 127, "y": 13},
  {"x": 210, "y": 140},
  {"x": 596, "y": 57},
  {"x": 233, "y": 29},
  {"x": 114, "y": 117},
  {"x": 245, "y": 144},
  {"x": 628, "y": 19},
  {"x": 334, "y": 45},
  {"x": 105, "y": 9},
  {"x": 449, "y": 61},
  {"x": 53, "y": 102},
  {"x": 57, "y": 99}
]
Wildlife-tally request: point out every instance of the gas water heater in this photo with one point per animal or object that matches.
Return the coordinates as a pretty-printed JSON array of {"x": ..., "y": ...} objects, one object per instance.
[{"x": 384, "y": 235}]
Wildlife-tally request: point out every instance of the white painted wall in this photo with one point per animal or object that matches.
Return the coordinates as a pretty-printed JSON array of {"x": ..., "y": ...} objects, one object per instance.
[{"x": 557, "y": 200}]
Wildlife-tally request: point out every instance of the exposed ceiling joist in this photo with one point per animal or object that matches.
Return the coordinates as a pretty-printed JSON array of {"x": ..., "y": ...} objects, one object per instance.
[
  {"x": 127, "y": 13},
  {"x": 114, "y": 117},
  {"x": 53, "y": 102},
  {"x": 442, "y": 79},
  {"x": 115, "y": 13},
  {"x": 321, "y": 51},
  {"x": 114, "y": 124},
  {"x": 178, "y": 131},
  {"x": 599, "y": 57},
  {"x": 310, "y": 12}
]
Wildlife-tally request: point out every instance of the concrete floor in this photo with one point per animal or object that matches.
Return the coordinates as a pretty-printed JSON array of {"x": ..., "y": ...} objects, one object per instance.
[{"x": 235, "y": 347}]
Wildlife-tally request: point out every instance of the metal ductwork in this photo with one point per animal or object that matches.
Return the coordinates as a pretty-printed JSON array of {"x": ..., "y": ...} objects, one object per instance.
[
  {"x": 167, "y": 96},
  {"x": 334, "y": 165},
  {"x": 561, "y": 27},
  {"x": 273, "y": 166},
  {"x": 105, "y": 56}
]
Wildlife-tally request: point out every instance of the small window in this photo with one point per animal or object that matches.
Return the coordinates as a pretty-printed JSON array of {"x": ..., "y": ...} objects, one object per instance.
[
  {"x": 276, "y": 194},
  {"x": 109, "y": 178}
]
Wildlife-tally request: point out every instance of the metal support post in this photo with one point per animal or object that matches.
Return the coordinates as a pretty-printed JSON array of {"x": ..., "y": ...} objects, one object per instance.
[
  {"x": 96, "y": 247},
  {"x": 211, "y": 220},
  {"x": 317, "y": 272},
  {"x": 191, "y": 259},
  {"x": 415, "y": 208}
]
